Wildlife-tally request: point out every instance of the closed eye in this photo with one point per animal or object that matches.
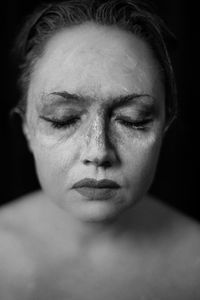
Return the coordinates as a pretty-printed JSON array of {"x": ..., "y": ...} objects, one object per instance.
[
  {"x": 134, "y": 124},
  {"x": 72, "y": 121},
  {"x": 62, "y": 123}
]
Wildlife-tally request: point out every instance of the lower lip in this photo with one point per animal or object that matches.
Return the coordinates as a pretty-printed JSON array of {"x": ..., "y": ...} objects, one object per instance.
[{"x": 97, "y": 193}]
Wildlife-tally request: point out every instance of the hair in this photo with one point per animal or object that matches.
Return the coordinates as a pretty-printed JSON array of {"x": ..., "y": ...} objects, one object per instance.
[{"x": 131, "y": 15}]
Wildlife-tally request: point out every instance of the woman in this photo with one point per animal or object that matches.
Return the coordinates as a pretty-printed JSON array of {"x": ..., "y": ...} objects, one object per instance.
[{"x": 98, "y": 95}]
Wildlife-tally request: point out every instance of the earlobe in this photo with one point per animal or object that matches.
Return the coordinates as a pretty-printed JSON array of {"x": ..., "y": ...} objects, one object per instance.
[{"x": 27, "y": 135}]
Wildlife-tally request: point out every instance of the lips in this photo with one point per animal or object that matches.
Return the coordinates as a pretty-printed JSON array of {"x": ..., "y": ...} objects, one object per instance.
[
  {"x": 92, "y": 183},
  {"x": 96, "y": 190}
]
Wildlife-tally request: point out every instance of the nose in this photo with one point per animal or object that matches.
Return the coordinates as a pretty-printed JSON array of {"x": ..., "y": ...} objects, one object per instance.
[{"x": 99, "y": 150}]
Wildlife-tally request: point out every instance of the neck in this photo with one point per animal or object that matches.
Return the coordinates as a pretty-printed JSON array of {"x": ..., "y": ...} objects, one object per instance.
[
  {"x": 85, "y": 234},
  {"x": 89, "y": 233}
]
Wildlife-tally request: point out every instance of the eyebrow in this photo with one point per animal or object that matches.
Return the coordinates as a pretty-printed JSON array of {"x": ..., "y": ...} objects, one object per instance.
[{"x": 122, "y": 100}]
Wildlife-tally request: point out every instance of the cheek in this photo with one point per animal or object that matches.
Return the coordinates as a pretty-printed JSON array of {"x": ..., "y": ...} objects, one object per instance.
[
  {"x": 47, "y": 167},
  {"x": 140, "y": 163},
  {"x": 53, "y": 162}
]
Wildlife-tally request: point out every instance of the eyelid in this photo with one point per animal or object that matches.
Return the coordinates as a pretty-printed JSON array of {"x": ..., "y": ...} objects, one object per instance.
[
  {"x": 59, "y": 119},
  {"x": 59, "y": 124},
  {"x": 136, "y": 123},
  {"x": 138, "y": 111},
  {"x": 60, "y": 110},
  {"x": 135, "y": 115},
  {"x": 134, "y": 120}
]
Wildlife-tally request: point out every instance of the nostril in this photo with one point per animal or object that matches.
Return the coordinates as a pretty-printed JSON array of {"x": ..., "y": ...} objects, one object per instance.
[
  {"x": 86, "y": 162},
  {"x": 98, "y": 162},
  {"x": 106, "y": 164}
]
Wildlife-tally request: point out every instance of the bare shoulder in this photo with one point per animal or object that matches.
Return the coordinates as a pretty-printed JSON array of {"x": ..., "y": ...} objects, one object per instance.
[
  {"x": 166, "y": 221},
  {"x": 18, "y": 211},
  {"x": 28, "y": 231},
  {"x": 174, "y": 247},
  {"x": 16, "y": 266},
  {"x": 19, "y": 223},
  {"x": 180, "y": 242},
  {"x": 169, "y": 230},
  {"x": 185, "y": 225},
  {"x": 24, "y": 204},
  {"x": 23, "y": 214}
]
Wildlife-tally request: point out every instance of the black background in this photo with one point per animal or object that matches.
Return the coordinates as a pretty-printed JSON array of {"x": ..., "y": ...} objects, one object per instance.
[{"x": 176, "y": 180}]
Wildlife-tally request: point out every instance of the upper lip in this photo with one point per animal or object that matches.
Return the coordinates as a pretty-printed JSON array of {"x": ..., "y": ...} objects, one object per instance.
[{"x": 92, "y": 183}]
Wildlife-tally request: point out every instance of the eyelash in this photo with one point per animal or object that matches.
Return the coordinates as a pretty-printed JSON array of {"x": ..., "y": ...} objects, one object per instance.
[
  {"x": 136, "y": 125},
  {"x": 73, "y": 120},
  {"x": 62, "y": 124}
]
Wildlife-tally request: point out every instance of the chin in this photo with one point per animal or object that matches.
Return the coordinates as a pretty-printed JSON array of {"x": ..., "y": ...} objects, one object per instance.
[
  {"x": 98, "y": 217},
  {"x": 98, "y": 211}
]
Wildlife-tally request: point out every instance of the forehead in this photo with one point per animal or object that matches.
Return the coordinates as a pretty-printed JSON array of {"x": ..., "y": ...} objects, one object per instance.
[{"x": 96, "y": 60}]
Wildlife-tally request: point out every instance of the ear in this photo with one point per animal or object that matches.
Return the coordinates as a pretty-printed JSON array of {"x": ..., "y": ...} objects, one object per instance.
[{"x": 27, "y": 135}]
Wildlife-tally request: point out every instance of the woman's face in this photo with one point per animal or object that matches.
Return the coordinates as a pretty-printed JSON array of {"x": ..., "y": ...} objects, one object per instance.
[{"x": 95, "y": 111}]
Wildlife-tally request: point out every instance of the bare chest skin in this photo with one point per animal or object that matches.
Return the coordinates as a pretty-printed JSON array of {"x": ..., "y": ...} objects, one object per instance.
[
  {"x": 164, "y": 263},
  {"x": 123, "y": 276},
  {"x": 79, "y": 279}
]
